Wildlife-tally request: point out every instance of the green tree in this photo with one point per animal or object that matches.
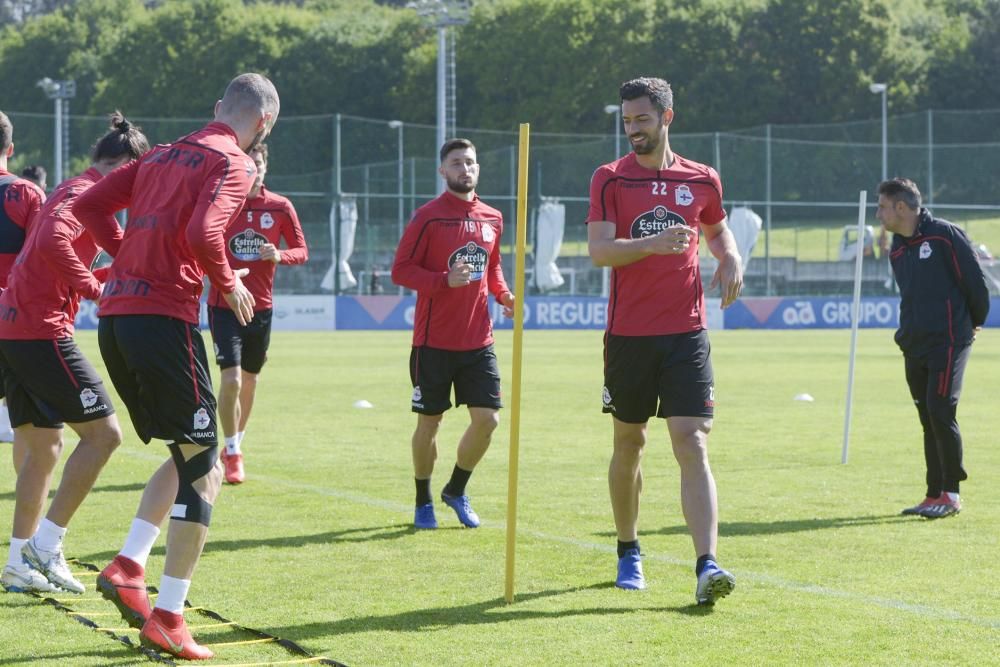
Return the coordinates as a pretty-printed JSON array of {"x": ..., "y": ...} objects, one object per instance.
[{"x": 176, "y": 60}]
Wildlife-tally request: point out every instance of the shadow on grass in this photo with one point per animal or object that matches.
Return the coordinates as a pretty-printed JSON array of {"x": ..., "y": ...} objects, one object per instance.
[
  {"x": 107, "y": 488},
  {"x": 112, "y": 655},
  {"x": 372, "y": 534},
  {"x": 495, "y": 610},
  {"x": 738, "y": 528}
]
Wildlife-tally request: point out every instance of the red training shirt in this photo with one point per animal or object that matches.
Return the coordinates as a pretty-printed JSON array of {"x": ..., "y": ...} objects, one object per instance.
[
  {"x": 659, "y": 294},
  {"x": 51, "y": 274},
  {"x": 440, "y": 233},
  {"x": 267, "y": 218},
  {"x": 181, "y": 197},
  {"x": 21, "y": 202}
]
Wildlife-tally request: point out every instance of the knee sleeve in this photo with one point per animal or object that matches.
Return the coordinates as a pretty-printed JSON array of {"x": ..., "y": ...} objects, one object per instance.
[{"x": 189, "y": 505}]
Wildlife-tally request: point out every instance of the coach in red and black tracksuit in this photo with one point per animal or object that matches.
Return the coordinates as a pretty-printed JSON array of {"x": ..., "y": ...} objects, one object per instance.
[
  {"x": 944, "y": 302},
  {"x": 252, "y": 243},
  {"x": 181, "y": 198},
  {"x": 450, "y": 255}
]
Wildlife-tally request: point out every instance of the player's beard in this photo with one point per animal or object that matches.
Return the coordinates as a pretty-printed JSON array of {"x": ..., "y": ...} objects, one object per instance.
[
  {"x": 256, "y": 141},
  {"x": 651, "y": 144},
  {"x": 462, "y": 187}
]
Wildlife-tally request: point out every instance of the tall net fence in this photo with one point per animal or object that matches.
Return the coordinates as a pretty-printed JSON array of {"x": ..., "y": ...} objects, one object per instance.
[{"x": 802, "y": 180}]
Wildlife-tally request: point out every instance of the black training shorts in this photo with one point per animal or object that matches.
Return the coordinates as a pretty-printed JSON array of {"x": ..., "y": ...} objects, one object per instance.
[
  {"x": 50, "y": 382},
  {"x": 238, "y": 345},
  {"x": 673, "y": 370},
  {"x": 474, "y": 374},
  {"x": 159, "y": 367}
]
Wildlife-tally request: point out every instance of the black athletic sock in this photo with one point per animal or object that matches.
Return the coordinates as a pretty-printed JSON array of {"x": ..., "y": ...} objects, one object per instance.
[
  {"x": 625, "y": 546},
  {"x": 456, "y": 485},
  {"x": 702, "y": 562},
  {"x": 423, "y": 491}
]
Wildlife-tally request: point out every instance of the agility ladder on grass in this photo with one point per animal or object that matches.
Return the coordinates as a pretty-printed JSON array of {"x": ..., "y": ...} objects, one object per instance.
[{"x": 86, "y": 618}]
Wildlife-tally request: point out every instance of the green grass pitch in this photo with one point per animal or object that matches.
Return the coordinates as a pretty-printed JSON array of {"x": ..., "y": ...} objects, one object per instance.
[{"x": 317, "y": 547}]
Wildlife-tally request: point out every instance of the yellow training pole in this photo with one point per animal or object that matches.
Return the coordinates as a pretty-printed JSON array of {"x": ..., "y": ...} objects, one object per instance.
[{"x": 515, "y": 389}]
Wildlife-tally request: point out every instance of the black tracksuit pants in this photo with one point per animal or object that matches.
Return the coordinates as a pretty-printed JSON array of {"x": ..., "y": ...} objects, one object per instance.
[{"x": 935, "y": 382}]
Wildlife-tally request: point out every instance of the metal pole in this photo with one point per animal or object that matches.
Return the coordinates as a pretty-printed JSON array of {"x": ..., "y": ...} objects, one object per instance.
[
  {"x": 336, "y": 203},
  {"x": 441, "y": 91},
  {"x": 718, "y": 156},
  {"x": 767, "y": 214},
  {"x": 413, "y": 183},
  {"x": 65, "y": 143},
  {"x": 366, "y": 220},
  {"x": 59, "y": 146},
  {"x": 399, "y": 175},
  {"x": 618, "y": 133},
  {"x": 513, "y": 182},
  {"x": 885, "y": 133},
  {"x": 930, "y": 157}
]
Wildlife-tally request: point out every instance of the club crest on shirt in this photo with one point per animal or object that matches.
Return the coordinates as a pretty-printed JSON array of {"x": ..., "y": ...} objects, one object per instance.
[
  {"x": 683, "y": 196},
  {"x": 925, "y": 250},
  {"x": 266, "y": 221},
  {"x": 250, "y": 167},
  {"x": 245, "y": 246},
  {"x": 473, "y": 255},
  {"x": 488, "y": 233},
  {"x": 653, "y": 222}
]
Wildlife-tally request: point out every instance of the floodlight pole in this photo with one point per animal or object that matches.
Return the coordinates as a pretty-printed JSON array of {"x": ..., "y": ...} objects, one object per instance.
[
  {"x": 442, "y": 14},
  {"x": 442, "y": 85},
  {"x": 883, "y": 89},
  {"x": 60, "y": 92},
  {"x": 398, "y": 125}
]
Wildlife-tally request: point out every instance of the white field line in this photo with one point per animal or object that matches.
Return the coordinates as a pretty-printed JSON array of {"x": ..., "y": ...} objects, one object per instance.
[{"x": 936, "y": 613}]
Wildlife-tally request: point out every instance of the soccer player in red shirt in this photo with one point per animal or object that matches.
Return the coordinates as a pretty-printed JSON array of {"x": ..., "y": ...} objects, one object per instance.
[
  {"x": 450, "y": 255},
  {"x": 647, "y": 211},
  {"x": 252, "y": 243},
  {"x": 20, "y": 202},
  {"x": 181, "y": 198},
  {"x": 49, "y": 380}
]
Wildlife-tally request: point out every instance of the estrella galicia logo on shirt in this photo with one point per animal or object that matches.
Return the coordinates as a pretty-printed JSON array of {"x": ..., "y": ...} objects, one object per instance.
[
  {"x": 653, "y": 222},
  {"x": 246, "y": 245},
  {"x": 473, "y": 255}
]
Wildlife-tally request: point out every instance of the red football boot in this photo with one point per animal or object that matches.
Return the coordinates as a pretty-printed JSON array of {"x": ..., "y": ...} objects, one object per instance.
[
  {"x": 123, "y": 582},
  {"x": 168, "y": 632},
  {"x": 233, "y": 464}
]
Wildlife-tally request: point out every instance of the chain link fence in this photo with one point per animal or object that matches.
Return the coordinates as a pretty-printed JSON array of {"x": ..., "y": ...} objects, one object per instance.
[{"x": 803, "y": 180}]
